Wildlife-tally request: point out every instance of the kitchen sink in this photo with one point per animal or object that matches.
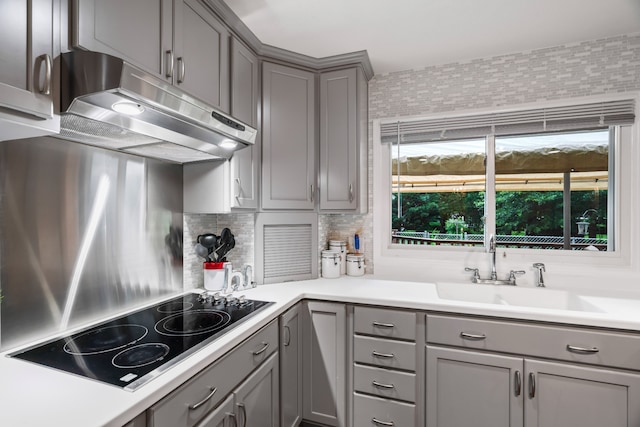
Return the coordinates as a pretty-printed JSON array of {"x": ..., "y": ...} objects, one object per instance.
[{"x": 523, "y": 297}]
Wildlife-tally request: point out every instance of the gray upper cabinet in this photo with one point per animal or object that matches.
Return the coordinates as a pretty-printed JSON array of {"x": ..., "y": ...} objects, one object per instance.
[
  {"x": 288, "y": 138},
  {"x": 26, "y": 61},
  {"x": 343, "y": 140},
  {"x": 244, "y": 106},
  {"x": 201, "y": 53},
  {"x": 140, "y": 32},
  {"x": 180, "y": 41}
]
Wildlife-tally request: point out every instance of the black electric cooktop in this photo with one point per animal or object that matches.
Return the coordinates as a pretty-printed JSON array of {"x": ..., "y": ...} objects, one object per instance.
[{"x": 131, "y": 350}]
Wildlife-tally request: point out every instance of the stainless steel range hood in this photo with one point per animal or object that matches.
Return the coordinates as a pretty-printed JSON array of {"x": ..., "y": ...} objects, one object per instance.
[{"x": 160, "y": 120}]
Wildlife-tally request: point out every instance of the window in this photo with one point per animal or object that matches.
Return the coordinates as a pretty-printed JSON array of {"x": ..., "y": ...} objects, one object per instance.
[{"x": 538, "y": 179}]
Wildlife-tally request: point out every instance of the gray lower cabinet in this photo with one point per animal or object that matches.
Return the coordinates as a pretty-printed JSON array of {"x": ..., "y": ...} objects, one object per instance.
[
  {"x": 288, "y": 138},
  {"x": 324, "y": 363},
  {"x": 257, "y": 400},
  {"x": 343, "y": 141},
  {"x": 471, "y": 388},
  {"x": 222, "y": 415},
  {"x": 245, "y": 163},
  {"x": 291, "y": 367},
  {"x": 180, "y": 41},
  {"x": 249, "y": 372},
  {"x": 467, "y": 388},
  {"x": 26, "y": 58}
]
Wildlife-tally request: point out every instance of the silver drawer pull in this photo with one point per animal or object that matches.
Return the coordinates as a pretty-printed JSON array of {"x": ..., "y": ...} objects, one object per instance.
[
  {"x": 517, "y": 383},
  {"x": 472, "y": 337},
  {"x": 265, "y": 345},
  {"x": 380, "y": 385},
  {"x": 582, "y": 350},
  {"x": 203, "y": 401},
  {"x": 383, "y": 325},
  {"x": 382, "y": 423},
  {"x": 382, "y": 355}
]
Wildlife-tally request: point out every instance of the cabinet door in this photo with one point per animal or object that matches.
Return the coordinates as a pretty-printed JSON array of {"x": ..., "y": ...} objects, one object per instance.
[
  {"x": 291, "y": 367},
  {"x": 288, "y": 138},
  {"x": 562, "y": 395},
  {"x": 324, "y": 362},
  {"x": 220, "y": 416},
  {"x": 201, "y": 54},
  {"x": 257, "y": 399},
  {"x": 466, "y": 388},
  {"x": 244, "y": 106},
  {"x": 139, "y": 32},
  {"x": 26, "y": 55},
  {"x": 338, "y": 140}
]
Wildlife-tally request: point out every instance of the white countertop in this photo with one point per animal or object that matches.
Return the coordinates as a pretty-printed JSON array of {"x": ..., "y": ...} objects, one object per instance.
[{"x": 34, "y": 395}]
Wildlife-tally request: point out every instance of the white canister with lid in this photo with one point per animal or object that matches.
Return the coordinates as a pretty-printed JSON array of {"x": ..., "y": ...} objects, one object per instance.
[
  {"x": 330, "y": 264},
  {"x": 355, "y": 265},
  {"x": 340, "y": 246}
]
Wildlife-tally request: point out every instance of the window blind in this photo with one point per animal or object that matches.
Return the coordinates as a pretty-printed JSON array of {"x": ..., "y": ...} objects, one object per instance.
[{"x": 572, "y": 117}]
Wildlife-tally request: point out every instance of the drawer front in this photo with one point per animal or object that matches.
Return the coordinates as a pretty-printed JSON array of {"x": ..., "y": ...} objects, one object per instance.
[
  {"x": 223, "y": 376},
  {"x": 387, "y": 353},
  {"x": 385, "y": 383},
  {"x": 376, "y": 412},
  {"x": 615, "y": 349},
  {"x": 385, "y": 323}
]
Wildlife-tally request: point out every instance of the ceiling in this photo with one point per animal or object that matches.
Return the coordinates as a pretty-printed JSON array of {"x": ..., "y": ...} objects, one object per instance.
[{"x": 406, "y": 34}]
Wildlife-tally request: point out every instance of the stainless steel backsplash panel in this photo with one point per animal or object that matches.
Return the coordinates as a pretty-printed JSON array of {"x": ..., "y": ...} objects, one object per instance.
[{"x": 85, "y": 233}]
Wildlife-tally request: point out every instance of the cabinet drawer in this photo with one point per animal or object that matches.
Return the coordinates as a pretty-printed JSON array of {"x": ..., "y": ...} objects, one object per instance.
[
  {"x": 387, "y": 353},
  {"x": 367, "y": 410},
  {"x": 616, "y": 349},
  {"x": 224, "y": 375},
  {"x": 385, "y": 383},
  {"x": 385, "y": 323}
]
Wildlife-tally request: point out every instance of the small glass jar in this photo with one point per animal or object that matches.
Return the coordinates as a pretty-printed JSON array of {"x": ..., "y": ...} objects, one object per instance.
[
  {"x": 330, "y": 264},
  {"x": 340, "y": 246},
  {"x": 355, "y": 265}
]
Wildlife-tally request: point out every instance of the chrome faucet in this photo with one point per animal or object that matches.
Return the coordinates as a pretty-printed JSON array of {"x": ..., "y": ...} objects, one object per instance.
[{"x": 492, "y": 251}]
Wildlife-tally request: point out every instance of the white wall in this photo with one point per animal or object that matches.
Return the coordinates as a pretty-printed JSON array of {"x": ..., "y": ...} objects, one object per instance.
[{"x": 592, "y": 68}]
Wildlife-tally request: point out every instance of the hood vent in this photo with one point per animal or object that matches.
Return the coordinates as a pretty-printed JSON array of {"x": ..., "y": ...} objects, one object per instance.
[{"x": 159, "y": 120}]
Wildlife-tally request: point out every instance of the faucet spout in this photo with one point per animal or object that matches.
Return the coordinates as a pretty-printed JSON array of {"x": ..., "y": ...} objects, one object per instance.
[{"x": 492, "y": 251}]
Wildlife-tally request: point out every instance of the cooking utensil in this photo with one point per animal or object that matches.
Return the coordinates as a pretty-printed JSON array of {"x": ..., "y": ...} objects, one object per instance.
[
  {"x": 226, "y": 243},
  {"x": 202, "y": 252}
]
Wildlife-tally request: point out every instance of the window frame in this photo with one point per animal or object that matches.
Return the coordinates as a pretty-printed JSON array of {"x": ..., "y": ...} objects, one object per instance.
[{"x": 388, "y": 257}]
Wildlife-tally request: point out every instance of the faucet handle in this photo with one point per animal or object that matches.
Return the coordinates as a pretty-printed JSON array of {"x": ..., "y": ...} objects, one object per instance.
[
  {"x": 476, "y": 274},
  {"x": 514, "y": 273}
]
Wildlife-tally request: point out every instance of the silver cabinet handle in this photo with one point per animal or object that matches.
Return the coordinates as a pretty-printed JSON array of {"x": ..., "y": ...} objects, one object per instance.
[
  {"x": 244, "y": 414},
  {"x": 380, "y": 385},
  {"x": 181, "y": 70},
  {"x": 232, "y": 416},
  {"x": 582, "y": 350},
  {"x": 383, "y": 325},
  {"x": 472, "y": 337},
  {"x": 265, "y": 345},
  {"x": 312, "y": 193},
  {"x": 239, "y": 188},
  {"x": 287, "y": 335},
  {"x": 382, "y": 423},
  {"x": 517, "y": 383},
  {"x": 48, "y": 69},
  {"x": 350, "y": 192},
  {"x": 532, "y": 385},
  {"x": 382, "y": 355},
  {"x": 203, "y": 401},
  {"x": 168, "y": 58}
]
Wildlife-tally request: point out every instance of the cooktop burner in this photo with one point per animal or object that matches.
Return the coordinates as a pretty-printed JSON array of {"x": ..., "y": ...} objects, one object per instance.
[{"x": 133, "y": 349}]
